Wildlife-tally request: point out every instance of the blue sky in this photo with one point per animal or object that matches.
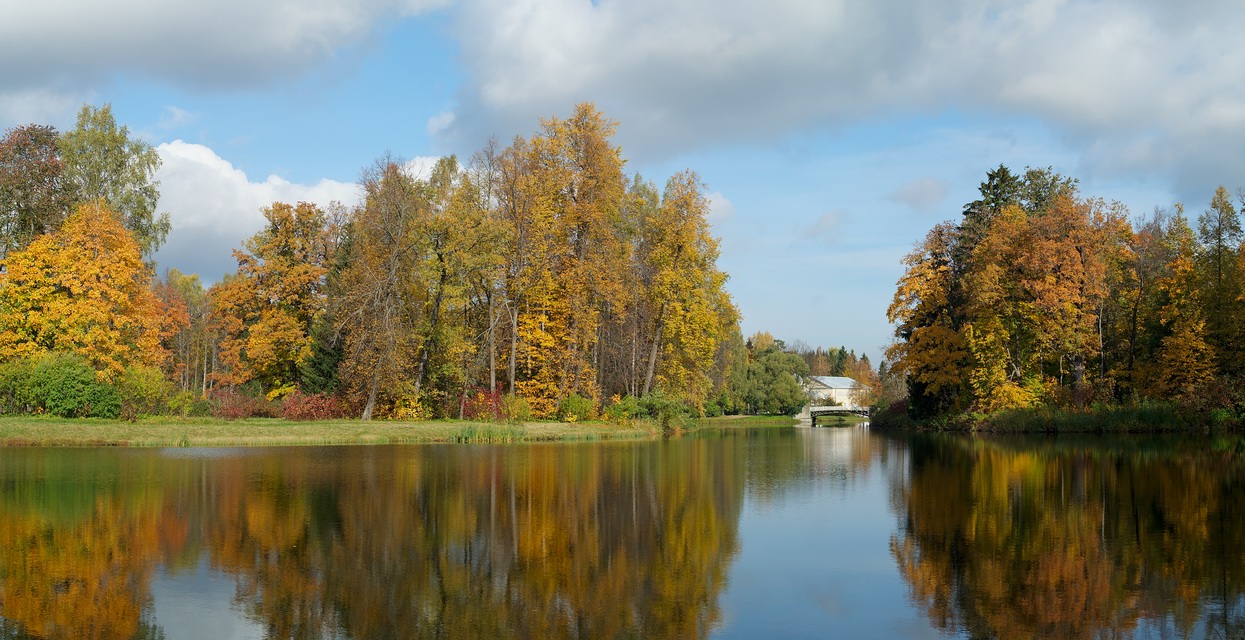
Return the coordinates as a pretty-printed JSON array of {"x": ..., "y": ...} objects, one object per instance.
[{"x": 832, "y": 134}]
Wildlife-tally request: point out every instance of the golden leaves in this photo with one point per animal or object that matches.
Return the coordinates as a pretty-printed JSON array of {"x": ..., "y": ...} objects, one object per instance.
[
  {"x": 266, "y": 310},
  {"x": 83, "y": 289}
]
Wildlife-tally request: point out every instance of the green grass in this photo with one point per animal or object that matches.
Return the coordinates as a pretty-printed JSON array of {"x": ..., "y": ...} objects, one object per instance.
[{"x": 212, "y": 432}]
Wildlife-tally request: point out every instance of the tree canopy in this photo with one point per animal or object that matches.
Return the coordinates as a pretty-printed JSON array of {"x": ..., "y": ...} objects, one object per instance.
[{"x": 1040, "y": 296}]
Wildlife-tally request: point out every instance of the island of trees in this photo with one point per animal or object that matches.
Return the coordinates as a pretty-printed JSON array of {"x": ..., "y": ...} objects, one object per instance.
[
  {"x": 536, "y": 280},
  {"x": 1048, "y": 302}
]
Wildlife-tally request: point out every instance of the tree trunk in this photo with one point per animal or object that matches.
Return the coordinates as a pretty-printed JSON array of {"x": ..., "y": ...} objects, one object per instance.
[
  {"x": 514, "y": 344},
  {"x": 652, "y": 359},
  {"x": 492, "y": 344},
  {"x": 1080, "y": 394},
  {"x": 371, "y": 397},
  {"x": 436, "y": 321}
]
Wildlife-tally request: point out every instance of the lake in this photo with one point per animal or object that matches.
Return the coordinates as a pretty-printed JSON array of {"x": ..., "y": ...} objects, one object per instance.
[{"x": 774, "y": 533}]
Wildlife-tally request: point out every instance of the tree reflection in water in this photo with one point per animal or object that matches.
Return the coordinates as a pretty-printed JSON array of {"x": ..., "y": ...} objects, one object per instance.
[
  {"x": 558, "y": 541},
  {"x": 1065, "y": 539}
]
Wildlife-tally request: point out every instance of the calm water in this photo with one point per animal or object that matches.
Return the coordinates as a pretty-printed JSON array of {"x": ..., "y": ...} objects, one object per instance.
[{"x": 740, "y": 534}]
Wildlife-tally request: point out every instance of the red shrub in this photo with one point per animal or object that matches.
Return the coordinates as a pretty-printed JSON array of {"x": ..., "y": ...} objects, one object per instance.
[
  {"x": 311, "y": 406},
  {"x": 231, "y": 404},
  {"x": 484, "y": 405}
]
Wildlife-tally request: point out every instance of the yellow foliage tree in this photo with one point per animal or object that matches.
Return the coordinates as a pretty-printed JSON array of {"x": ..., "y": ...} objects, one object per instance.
[
  {"x": 930, "y": 349},
  {"x": 83, "y": 289},
  {"x": 570, "y": 187},
  {"x": 1185, "y": 360},
  {"x": 692, "y": 310},
  {"x": 266, "y": 310}
]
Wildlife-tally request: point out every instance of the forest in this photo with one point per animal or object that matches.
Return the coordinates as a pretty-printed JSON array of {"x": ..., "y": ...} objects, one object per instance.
[
  {"x": 538, "y": 280},
  {"x": 1042, "y": 297}
]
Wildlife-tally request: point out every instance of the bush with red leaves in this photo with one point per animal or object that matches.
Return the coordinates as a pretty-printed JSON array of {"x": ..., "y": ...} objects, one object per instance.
[
  {"x": 312, "y": 406},
  {"x": 231, "y": 403},
  {"x": 484, "y": 405}
]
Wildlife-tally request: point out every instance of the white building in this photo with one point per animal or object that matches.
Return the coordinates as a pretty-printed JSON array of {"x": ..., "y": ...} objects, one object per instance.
[{"x": 838, "y": 390}]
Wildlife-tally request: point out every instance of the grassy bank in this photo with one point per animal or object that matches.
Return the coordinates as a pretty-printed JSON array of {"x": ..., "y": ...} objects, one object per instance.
[
  {"x": 47, "y": 431},
  {"x": 211, "y": 432},
  {"x": 1151, "y": 417}
]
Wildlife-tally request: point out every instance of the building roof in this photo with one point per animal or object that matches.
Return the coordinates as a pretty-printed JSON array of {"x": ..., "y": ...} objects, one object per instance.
[{"x": 836, "y": 382}]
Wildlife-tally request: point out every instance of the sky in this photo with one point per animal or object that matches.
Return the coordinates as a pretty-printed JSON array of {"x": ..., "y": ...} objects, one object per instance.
[{"x": 832, "y": 134}]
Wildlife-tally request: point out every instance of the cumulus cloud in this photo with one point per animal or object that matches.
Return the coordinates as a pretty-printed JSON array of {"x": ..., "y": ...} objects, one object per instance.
[
  {"x": 922, "y": 194},
  {"x": 214, "y": 206},
  {"x": 66, "y": 45},
  {"x": 721, "y": 208},
  {"x": 683, "y": 74}
]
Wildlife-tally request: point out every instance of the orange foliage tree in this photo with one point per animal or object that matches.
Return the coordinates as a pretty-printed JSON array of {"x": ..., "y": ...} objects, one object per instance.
[
  {"x": 83, "y": 289},
  {"x": 266, "y": 310}
]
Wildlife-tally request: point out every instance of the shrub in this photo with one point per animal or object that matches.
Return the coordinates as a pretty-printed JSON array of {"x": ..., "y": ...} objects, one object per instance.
[
  {"x": 311, "y": 406},
  {"x": 16, "y": 388},
  {"x": 667, "y": 410},
  {"x": 63, "y": 384},
  {"x": 516, "y": 408},
  {"x": 575, "y": 408},
  {"x": 231, "y": 403},
  {"x": 484, "y": 405},
  {"x": 622, "y": 410},
  {"x": 144, "y": 391},
  {"x": 189, "y": 403},
  {"x": 406, "y": 407}
]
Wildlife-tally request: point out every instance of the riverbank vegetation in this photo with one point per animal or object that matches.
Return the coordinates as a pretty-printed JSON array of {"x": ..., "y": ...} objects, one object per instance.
[
  {"x": 538, "y": 281},
  {"x": 1043, "y": 309},
  {"x": 214, "y": 432}
]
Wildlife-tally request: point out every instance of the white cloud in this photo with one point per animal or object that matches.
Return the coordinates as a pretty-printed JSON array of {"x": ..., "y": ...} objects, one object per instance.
[
  {"x": 39, "y": 105},
  {"x": 683, "y": 74},
  {"x": 922, "y": 194},
  {"x": 420, "y": 166},
  {"x": 440, "y": 123},
  {"x": 214, "y": 206},
  {"x": 64, "y": 46},
  {"x": 721, "y": 208}
]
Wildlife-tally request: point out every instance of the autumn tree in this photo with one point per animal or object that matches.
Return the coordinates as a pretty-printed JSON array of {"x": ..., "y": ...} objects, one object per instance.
[
  {"x": 103, "y": 162},
  {"x": 563, "y": 196},
  {"x": 1219, "y": 241},
  {"x": 35, "y": 196},
  {"x": 1184, "y": 359},
  {"x": 1026, "y": 302},
  {"x": 193, "y": 346},
  {"x": 266, "y": 310},
  {"x": 83, "y": 289},
  {"x": 378, "y": 295},
  {"x": 689, "y": 310},
  {"x": 930, "y": 349}
]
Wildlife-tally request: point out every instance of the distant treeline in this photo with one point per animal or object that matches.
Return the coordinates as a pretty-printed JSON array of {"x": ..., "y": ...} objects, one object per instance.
[
  {"x": 536, "y": 280},
  {"x": 1039, "y": 296}
]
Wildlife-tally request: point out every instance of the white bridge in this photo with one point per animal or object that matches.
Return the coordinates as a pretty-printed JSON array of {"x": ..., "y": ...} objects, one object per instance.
[{"x": 812, "y": 412}]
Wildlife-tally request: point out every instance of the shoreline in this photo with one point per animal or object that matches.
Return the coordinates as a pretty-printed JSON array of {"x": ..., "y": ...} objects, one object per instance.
[
  {"x": 43, "y": 431},
  {"x": 1145, "y": 418}
]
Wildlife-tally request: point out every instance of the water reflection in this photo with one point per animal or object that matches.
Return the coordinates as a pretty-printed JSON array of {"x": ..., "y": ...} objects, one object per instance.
[
  {"x": 1068, "y": 539},
  {"x": 1096, "y": 538},
  {"x": 569, "y": 541}
]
